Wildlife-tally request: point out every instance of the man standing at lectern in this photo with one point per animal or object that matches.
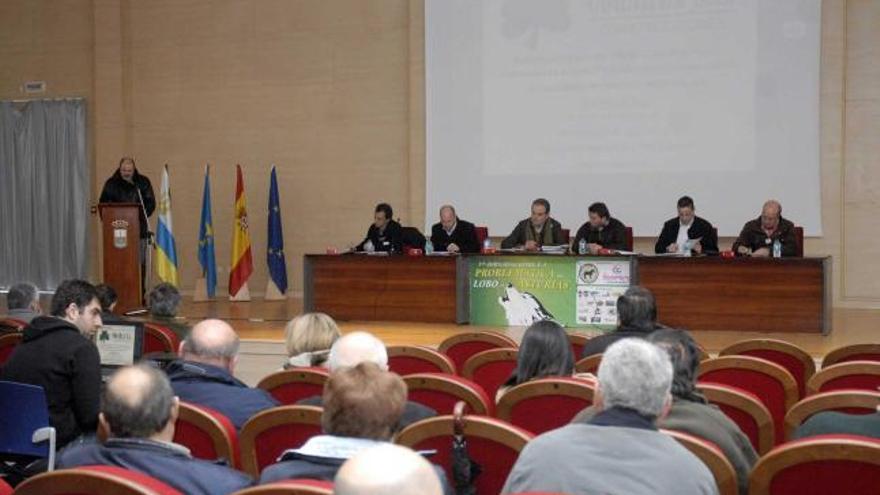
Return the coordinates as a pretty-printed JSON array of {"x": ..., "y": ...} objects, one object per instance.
[{"x": 129, "y": 186}]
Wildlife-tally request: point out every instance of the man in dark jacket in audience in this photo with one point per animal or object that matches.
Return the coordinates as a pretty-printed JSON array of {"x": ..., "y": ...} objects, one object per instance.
[
  {"x": 691, "y": 413},
  {"x": 204, "y": 374},
  {"x": 636, "y": 317},
  {"x": 138, "y": 415},
  {"x": 57, "y": 353}
]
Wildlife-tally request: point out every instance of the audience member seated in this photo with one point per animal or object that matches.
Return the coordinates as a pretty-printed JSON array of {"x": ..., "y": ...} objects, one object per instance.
[
  {"x": 545, "y": 351},
  {"x": 384, "y": 234},
  {"x": 536, "y": 231},
  {"x": 362, "y": 408},
  {"x": 387, "y": 470},
  {"x": 687, "y": 229},
  {"x": 108, "y": 298},
  {"x": 833, "y": 422},
  {"x": 620, "y": 449},
  {"x": 636, "y": 317},
  {"x": 359, "y": 347},
  {"x": 452, "y": 234},
  {"x": 23, "y": 302},
  {"x": 308, "y": 338},
  {"x": 164, "y": 301},
  {"x": 204, "y": 374},
  {"x": 138, "y": 414},
  {"x": 757, "y": 236},
  {"x": 600, "y": 231},
  {"x": 57, "y": 353},
  {"x": 691, "y": 413}
]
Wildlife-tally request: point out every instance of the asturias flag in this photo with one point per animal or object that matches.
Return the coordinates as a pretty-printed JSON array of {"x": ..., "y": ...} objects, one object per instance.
[
  {"x": 206, "y": 239},
  {"x": 275, "y": 251},
  {"x": 242, "y": 261},
  {"x": 166, "y": 251}
]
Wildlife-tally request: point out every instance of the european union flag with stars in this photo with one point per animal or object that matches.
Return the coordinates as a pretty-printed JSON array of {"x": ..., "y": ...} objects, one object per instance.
[{"x": 275, "y": 252}]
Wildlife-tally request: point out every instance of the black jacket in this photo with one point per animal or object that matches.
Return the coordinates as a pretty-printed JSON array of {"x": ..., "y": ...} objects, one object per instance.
[
  {"x": 56, "y": 356},
  {"x": 391, "y": 240},
  {"x": 464, "y": 236},
  {"x": 700, "y": 229},
  {"x": 118, "y": 190},
  {"x": 611, "y": 236},
  {"x": 166, "y": 462},
  {"x": 754, "y": 237},
  {"x": 599, "y": 343}
]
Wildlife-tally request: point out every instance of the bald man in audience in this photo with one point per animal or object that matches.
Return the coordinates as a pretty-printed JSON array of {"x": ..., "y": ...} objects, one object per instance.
[
  {"x": 358, "y": 347},
  {"x": 620, "y": 449},
  {"x": 138, "y": 415},
  {"x": 757, "y": 236},
  {"x": 452, "y": 234},
  {"x": 387, "y": 470},
  {"x": 204, "y": 374}
]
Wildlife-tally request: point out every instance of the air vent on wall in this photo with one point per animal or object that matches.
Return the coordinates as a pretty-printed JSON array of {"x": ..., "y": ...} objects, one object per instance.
[{"x": 31, "y": 87}]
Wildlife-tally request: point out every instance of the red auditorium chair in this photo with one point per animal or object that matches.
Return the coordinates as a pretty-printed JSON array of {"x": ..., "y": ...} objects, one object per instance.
[
  {"x": 290, "y": 386},
  {"x": 566, "y": 236},
  {"x": 268, "y": 434},
  {"x": 846, "y": 401},
  {"x": 545, "y": 404},
  {"x": 482, "y": 234},
  {"x": 789, "y": 356},
  {"x": 578, "y": 341},
  {"x": 589, "y": 364},
  {"x": 854, "y": 352},
  {"x": 441, "y": 392},
  {"x": 769, "y": 382},
  {"x": 714, "y": 459},
  {"x": 819, "y": 465},
  {"x": 11, "y": 325},
  {"x": 410, "y": 359},
  {"x": 860, "y": 375},
  {"x": 207, "y": 434},
  {"x": 159, "y": 338},
  {"x": 491, "y": 443},
  {"x": 462, "y": 346},
  {"x": 798, "y": 241},
  {"x": 8, "y": 342},
  {"x": 106, "y": 480},
  {"x": 290, "y": 487},
  {"x": 744, "y": 409},
  {"x": 629, "y": 239},
  {"x": 5, "y": 489},
  {"x": 490, "y": 369}
]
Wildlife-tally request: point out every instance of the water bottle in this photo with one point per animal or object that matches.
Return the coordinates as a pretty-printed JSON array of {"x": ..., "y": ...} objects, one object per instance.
[
  {"x": 429, "y": 247},
  {"x": 369, "y": 247},
  {"x": 582, "y": 247},
  {"x": 687, "y": 247},
  {"x": 487, "y": 244},
  {"x": 777, "y": 249}
]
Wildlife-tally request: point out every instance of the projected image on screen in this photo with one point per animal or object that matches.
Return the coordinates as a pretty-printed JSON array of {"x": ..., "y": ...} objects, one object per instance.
[{"x": 634, "y": 103}]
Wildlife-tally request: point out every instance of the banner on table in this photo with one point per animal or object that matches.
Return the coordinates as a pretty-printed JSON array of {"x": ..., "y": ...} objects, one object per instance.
[{"x": 519, "y": 290}]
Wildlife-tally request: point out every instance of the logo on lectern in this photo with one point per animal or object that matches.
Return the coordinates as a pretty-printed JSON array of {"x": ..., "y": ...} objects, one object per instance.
[{"x": 120, "y": 234}]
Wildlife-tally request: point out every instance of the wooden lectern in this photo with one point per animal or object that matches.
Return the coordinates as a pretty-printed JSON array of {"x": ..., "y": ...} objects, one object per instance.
[{"x": 121, "y": 230}]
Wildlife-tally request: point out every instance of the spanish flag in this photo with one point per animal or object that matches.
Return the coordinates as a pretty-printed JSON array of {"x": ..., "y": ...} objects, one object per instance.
[
  {"x": 166, "y": 251},
  {"x": 242, "y": 261}
]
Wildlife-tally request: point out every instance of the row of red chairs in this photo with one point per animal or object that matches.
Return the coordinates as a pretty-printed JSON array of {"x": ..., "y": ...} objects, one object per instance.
[{"x": 824, "y": 464}]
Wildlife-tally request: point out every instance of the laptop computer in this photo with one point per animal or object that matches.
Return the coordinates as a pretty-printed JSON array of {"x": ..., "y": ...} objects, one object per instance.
[{"x": 120, "y": 343}]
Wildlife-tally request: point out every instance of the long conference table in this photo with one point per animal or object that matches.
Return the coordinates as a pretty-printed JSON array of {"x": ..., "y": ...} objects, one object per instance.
[{"x": 695, "y": 293}]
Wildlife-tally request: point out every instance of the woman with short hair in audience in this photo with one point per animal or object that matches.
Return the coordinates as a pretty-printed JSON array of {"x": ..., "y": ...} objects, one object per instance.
[
  {"x": 308, "y": 339},
  {"x": 545, "y": 351}
]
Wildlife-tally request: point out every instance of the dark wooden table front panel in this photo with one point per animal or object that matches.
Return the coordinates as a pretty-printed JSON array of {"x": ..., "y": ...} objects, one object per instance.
[
  {"x": 741, "y": 294},
  {"x": 391, "y": 288}
]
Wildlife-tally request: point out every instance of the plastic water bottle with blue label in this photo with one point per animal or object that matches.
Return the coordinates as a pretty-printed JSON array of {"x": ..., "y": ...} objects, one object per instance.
[
  {"x": 582, "y": 247},
  {"x": 487, "y": 244},
  {"x": 429, "y": 247},
  {"x": 777, "y": 249}
]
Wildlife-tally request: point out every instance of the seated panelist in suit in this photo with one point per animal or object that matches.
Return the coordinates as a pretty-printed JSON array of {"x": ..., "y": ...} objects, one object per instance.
[
  {"x": 452, "y": 234},
  {"x": 601, "y": 231},
  {"x": 687, "y": 227},
  {"x": 536, "y": 231},
  {"x": 758, "y": 235},
  {"x": 384, "y": 234}
]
